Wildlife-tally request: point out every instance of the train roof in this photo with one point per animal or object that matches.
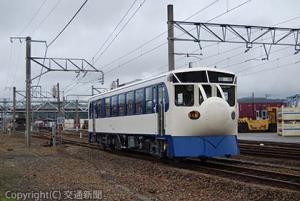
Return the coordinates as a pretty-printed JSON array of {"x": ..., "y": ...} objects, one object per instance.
[
  {"x": 198, "y": 69},
  {"x": 165, "y": 74}
]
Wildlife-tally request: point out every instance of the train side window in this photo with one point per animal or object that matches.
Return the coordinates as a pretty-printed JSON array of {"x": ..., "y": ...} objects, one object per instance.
[
  {"x": 139, "y": 99},
  {"x": 184, "y": 95},
  {"x": 154, "y": 98},
  {"x": 107, "y": 107},
  {"x": 149, "y": 100},
  {"x": 99, "y": 108},
  {"x": 122, "y": 105},
  {"x": 114, "y": 106},
  {"x": 130, "y": 102}
]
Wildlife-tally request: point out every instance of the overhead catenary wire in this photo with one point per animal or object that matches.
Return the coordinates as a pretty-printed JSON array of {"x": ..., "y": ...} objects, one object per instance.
[
  {"x": 272, "y": 68},
  {"x": 33, "y": 17},
  {"x": 122, "y": 28},
  {"x": 161, "y": 45},
  {"x": 110, "y": 35},
  {"x": 242, "y": 46},
  {"x": 64, "y": 28},
  {"x": 8, "y": 65},
  {"x": 269, "y": 61},
  {"x": 151, "y": 40},
  {"x": 157, "y": 36},
  {"x": 46, "y": 17},
  {"x": 116, "y": 27},
  {"x": 265, "y": 63}
]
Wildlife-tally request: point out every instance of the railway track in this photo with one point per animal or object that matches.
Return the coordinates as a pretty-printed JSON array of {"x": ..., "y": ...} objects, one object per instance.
[
  {"x": 271, "y": 149},
  {"x": 267, "y": 177},
  {"x": 223, "y": 167}
]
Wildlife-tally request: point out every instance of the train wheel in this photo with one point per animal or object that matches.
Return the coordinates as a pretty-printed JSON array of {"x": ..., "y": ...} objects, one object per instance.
[
  {"x": 157, "y": 149},
  {"x": 117, "y": 144}
]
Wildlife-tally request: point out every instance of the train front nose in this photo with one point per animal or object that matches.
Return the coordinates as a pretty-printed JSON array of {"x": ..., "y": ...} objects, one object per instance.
[{"x": 217, "y": 115}]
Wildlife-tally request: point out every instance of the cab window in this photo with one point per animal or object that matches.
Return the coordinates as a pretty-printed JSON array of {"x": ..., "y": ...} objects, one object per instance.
[
  {"x": 184, "y": 95},
  {"x": 229, "y": 93}
]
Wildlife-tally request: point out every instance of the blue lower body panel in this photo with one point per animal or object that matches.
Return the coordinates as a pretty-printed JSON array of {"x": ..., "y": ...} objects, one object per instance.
[
  {"x": 202, "y": 146},
  {"x": 194, "y": 146}
]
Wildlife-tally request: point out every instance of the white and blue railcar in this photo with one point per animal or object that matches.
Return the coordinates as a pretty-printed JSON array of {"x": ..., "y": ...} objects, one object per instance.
[{"x": 183, "y": 113}]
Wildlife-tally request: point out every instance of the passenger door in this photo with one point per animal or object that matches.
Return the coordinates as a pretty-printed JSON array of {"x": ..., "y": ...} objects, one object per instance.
[
  {"x": 161, "y": 109},
  {"x": 94, "y": 117}
]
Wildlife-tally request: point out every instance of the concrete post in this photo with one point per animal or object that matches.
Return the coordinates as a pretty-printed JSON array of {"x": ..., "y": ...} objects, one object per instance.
[
  {"x": 14, "y": 111},
  {"x": 171, "y": 38},
  {"x": 28, "y": 91}
]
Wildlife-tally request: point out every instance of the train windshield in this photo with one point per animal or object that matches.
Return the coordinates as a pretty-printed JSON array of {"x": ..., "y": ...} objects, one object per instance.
[
  {"x": 229, "y": 94},
  {"x": 184, "y": 95},
  {"x": 203, "y": 77},
  {"x": 222, "y": 91}
]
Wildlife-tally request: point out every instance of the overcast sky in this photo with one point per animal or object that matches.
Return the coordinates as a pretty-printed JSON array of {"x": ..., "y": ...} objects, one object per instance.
[{"x": 96, "y": 21}]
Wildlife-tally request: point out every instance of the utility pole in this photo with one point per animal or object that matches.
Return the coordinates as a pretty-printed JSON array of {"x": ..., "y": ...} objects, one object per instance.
[
  {"x": 50, "y": 65},
  {"x": 171, "y": 38},
  {"x": 2, "y": 118},
  {"x": 77, "y": 121},
  {"x": 59, "y": 113},
  {"x": 4, "y": 115},
  {"x": 28, "y": 91},
  {"x": 14, "y": 110}
]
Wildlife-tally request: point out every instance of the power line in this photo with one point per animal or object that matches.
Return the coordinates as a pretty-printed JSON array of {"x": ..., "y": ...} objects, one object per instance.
[
  {"x": 220, "y": 15},
  {"x": 272, "y": 68},
  {"x": 194, "y": 51},
  {"x": 8, "y": 65},
  {"x": 46, "y": 17},
  {"x": 129, "y": 61},
  {"x": 160, "y": 45},
  {"x": 18, "y": 60},
  {"x": 111, "y": 34},
  {"x": 123, "y": 27},
  {"x": 268, "y": 62},
  {"x": 156, "y": 37},
  {"x": 229, "y": 10},
  {"x": 201, "y": 10},
  {"x": 33, "y": 17},
  {"x": 122, "y": 19},
  {"x": 220, "y": 61},
  {"x": 55, "y": 38}
]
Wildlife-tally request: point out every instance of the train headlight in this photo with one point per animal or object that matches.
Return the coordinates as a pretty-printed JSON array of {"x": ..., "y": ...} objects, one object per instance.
[
  {"x": 194, "y": 115},
  {"x": 233, "y": 115}
]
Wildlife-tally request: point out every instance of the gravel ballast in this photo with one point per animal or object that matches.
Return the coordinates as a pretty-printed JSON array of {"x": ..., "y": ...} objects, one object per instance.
[{"x": 70, "y": 168}]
